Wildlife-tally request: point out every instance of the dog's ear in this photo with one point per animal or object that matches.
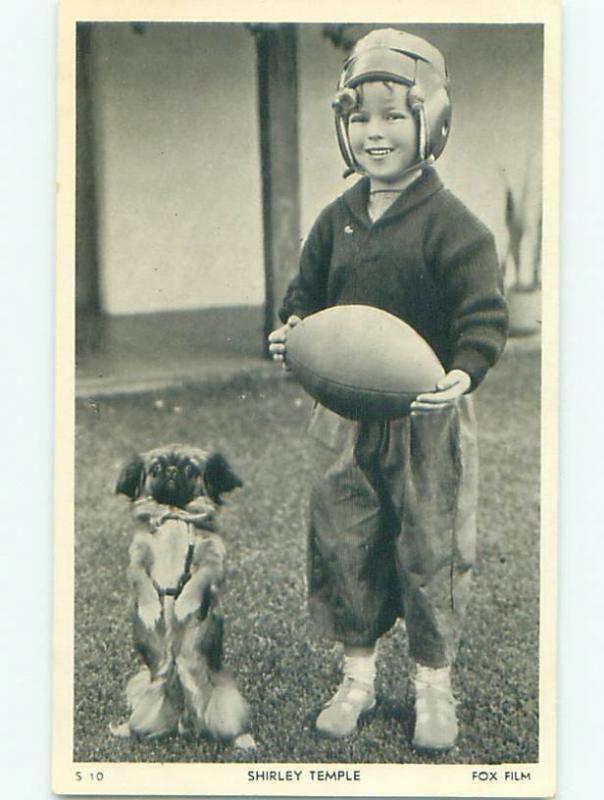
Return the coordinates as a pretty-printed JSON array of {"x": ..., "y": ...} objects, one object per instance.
[
  {"x": 131, "y": 478},
  {"x": 220, "y": 477}
]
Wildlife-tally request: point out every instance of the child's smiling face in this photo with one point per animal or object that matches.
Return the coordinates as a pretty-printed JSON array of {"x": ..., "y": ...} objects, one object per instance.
[{"x": 383, "y": 133}]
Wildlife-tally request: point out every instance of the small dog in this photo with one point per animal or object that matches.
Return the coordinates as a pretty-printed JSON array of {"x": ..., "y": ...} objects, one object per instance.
[{"x": 176, "y": 568}]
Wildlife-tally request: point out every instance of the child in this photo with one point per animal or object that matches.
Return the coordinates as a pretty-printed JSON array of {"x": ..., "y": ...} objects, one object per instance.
[{"x": 393, "y": 506}]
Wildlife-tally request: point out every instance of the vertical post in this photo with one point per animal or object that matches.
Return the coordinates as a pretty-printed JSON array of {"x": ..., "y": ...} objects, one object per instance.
[
  {"x": 278, "y": 114},
  {"x": 89, "y": 319}
]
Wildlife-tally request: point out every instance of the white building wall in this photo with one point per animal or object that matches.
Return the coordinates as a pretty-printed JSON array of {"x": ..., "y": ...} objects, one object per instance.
[{"x": 180, "y": 191}]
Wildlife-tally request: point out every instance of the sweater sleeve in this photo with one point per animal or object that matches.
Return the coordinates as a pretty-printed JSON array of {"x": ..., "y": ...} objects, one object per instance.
[
  {"x": 469, "y": 274},
  {"x": 307, "y": 292}
]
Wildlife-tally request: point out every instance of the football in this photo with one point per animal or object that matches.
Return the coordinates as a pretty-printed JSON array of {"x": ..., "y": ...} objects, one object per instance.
[{"x": 361, "y": 362}]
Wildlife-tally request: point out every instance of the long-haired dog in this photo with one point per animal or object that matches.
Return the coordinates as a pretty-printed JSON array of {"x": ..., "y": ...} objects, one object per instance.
[{"x": 176, "y": 569}]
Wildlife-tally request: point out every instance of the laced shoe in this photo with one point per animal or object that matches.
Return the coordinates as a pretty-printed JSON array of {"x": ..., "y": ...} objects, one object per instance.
[
  {"x": 435, "y": 716},
  {"x": 352, "y": 701}
]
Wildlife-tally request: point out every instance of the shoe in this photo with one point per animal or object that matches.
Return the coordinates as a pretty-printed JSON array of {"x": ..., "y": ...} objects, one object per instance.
[
  {"x": 435, "y": 717},
  {"x": 350, "y": 703}
]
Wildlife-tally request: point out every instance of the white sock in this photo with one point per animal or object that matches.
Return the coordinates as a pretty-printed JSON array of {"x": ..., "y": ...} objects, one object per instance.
[
  {"x": 439, "y": 677},
  {"x": 360, "y": 668}
]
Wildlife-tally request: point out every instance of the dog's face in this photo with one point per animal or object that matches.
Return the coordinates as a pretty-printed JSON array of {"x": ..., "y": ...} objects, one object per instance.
[{"x": 176, "y": 474}]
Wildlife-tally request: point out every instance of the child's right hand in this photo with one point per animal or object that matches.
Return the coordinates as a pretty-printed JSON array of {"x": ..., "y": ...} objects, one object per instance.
[{"x": 278, "y": 340}]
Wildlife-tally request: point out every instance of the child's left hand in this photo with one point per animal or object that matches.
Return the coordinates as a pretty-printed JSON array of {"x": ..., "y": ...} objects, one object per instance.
[{"x": 448, "y": 391}]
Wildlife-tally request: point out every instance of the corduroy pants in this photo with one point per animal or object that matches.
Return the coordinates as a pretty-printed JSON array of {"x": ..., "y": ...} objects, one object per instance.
[{"x": 393, "y": 527}]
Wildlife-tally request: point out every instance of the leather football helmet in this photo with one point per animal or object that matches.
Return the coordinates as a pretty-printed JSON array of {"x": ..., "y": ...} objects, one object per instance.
[{"x": 392, "y": 55}]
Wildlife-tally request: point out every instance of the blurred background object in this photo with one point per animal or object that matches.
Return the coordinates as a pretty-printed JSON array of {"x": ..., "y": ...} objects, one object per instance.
[{"x": 521, "y": 263}]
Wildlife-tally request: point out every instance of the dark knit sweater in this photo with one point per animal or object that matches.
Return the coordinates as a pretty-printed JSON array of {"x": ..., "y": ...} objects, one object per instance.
[{"x": 427, "y": 260}]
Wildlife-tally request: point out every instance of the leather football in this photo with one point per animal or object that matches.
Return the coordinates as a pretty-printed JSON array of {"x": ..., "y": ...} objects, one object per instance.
[{"x": 361, "y": 362}]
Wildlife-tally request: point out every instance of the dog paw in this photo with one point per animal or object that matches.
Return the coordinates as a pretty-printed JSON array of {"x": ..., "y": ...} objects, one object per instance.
[
  {"x": 121, "y": 731},
  {"x": 185, "y": 605},
  {"x": 245, "y": 741},
  {"x": 149, "y": 613}
]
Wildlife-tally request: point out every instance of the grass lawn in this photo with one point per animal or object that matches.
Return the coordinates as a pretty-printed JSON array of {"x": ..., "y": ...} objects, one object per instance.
[{"x": 283, "y": 671}]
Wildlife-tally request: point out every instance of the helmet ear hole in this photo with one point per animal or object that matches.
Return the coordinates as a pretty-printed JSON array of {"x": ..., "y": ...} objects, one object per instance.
[
  {"x": 345, "y": 101},
  {"x": 445, "y": 128}
]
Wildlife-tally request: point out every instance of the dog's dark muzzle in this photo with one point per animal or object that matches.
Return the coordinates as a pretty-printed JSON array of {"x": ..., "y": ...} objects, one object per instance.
[{"x": 173, "y": 492}]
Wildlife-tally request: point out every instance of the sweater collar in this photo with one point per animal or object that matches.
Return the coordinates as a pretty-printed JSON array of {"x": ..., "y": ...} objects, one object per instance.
[{"x": 357, "y": 196}]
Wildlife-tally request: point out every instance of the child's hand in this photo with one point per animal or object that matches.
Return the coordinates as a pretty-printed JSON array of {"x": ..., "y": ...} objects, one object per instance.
[
  {"x": 278, "y": 339},
  {"x": 448, "y": 391}
]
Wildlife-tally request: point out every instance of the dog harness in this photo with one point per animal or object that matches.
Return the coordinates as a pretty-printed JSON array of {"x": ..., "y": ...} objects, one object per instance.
[
  {"x": 174, "y": 591},
  {"x": 155, "y": 515}
]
